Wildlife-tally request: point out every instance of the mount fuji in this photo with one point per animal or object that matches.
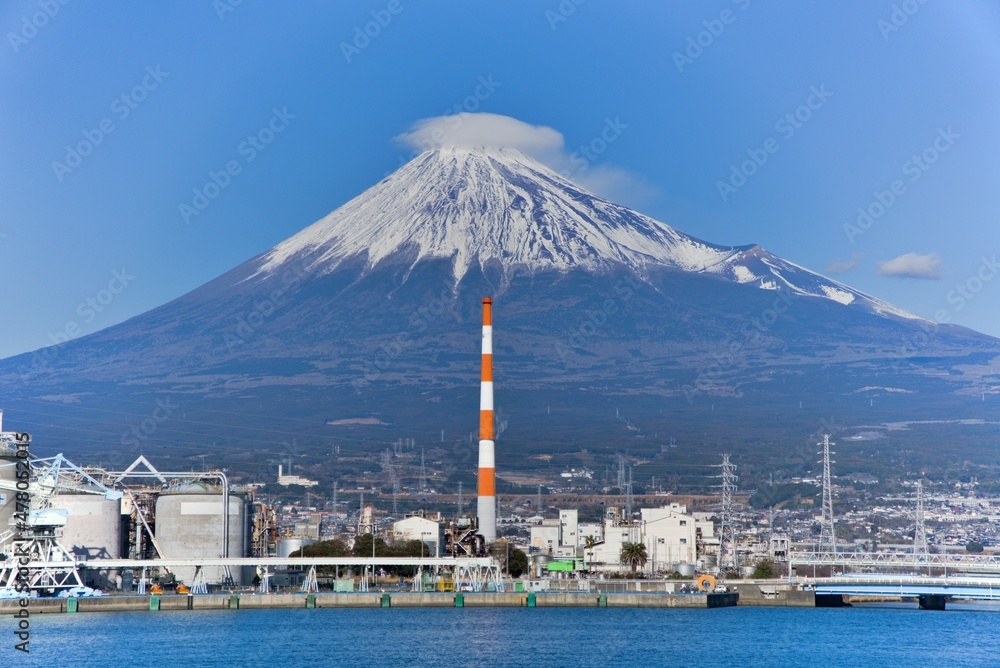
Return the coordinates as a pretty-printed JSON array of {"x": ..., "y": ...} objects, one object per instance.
[{"x": 614, "y": 332}]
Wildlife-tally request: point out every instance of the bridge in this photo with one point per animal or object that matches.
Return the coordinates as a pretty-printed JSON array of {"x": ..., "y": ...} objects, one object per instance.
[
  {"x": 946, "y": 576},
  {"x": 930, "y": 592}
]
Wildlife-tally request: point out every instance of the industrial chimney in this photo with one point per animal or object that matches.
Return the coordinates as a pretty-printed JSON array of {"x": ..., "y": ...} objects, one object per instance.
[{"x": 487, "y": 491}]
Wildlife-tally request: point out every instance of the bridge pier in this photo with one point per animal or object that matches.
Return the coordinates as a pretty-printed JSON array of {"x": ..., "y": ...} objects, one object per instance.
[
  {"x": 831, "y": 601},
  {"x": 931, "y": 602}
]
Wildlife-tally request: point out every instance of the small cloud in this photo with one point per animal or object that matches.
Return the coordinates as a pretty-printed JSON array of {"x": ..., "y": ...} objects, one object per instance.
[
  {"x": 486, "y": 130},
  {"x": 541, "y": 142},
  {"x": 844, "y": 266},
  {"x": 912, "y": 265}
]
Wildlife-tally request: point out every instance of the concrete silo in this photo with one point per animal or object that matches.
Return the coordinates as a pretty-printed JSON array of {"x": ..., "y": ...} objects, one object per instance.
[
  {"x": 190, "y": 524},
  {"x": 93, "y": 526},
  {"x": 93, "y": 530}
]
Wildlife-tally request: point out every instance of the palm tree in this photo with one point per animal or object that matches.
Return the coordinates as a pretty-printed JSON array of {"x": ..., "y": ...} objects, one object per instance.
[
  {"x": 634, "y": 555},
  {"x": 589, "y": 543}
]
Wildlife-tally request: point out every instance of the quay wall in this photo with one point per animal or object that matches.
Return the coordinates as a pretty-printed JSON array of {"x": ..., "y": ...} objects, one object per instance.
[{"x": 248, "y": 601}]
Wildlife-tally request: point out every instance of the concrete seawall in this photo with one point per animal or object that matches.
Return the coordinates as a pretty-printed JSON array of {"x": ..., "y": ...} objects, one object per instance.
[
  {"x": 752, "y": 595},
  {"x": 371, "y": 600}
]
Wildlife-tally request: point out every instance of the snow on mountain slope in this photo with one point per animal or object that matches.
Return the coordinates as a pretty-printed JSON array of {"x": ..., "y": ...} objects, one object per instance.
[{"x": 480, "y": 206}]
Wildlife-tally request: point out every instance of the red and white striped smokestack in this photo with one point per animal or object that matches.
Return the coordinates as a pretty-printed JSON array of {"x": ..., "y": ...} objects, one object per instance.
[{"x": 487, "y": 492}]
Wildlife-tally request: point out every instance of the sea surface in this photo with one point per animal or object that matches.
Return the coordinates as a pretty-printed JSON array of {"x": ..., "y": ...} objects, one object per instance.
[{"x": 452, "y": 638}]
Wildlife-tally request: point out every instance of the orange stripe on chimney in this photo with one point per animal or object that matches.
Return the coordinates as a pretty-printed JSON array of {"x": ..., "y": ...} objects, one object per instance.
[
  {"x": 487, "y": 482},
  {"x": 486, "y": 425}
]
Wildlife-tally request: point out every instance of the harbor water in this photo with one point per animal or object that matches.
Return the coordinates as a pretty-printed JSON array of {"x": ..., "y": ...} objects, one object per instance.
[{"x": 964, "y": 635}]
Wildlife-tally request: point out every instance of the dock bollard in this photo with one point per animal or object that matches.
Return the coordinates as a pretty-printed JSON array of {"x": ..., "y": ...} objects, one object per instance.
[
  {"x": 310, "y": 600},
  {"x": 154, "y": 602},
  {"x": 234, "y": 602},
  {"x": 459, "y": 600},
  {"x": 531, "y": 600},
  {"x": 602, "y": 601},
  {"x": 386, "y": 601},
  {"x": 71, "y": 604}
]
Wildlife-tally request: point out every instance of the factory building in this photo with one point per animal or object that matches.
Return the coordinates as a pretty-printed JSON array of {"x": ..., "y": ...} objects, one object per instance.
[
  {"x": 670, "y": 534},
  {"x": 558, "y": 537},
  {"x": 417, "y": 527}
]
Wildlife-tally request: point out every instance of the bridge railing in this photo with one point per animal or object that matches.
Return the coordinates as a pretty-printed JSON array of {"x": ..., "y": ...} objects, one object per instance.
[{"x": 956, "y": 562}]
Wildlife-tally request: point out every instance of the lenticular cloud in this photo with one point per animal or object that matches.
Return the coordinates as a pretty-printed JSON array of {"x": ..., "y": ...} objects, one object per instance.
[{"x": 482, "y": 130}]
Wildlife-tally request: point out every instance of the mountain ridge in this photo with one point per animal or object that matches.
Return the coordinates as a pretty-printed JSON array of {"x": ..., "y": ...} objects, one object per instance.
[{"x": 374, "y": 309}]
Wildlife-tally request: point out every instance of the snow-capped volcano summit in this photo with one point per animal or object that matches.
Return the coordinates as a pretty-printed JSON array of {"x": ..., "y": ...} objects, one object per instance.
[{"x": 483, "y": 206}]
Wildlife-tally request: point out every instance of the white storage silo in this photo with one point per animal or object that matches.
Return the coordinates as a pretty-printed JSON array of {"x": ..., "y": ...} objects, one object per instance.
[
  {"x": 93, "y": 527},
  {"x": 189, "y": 524},
  {"x": 289, "y": 547}
]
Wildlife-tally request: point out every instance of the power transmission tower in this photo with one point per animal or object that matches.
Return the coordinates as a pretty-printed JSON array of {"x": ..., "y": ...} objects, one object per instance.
[
  {"x": 827, "y": 531},
  {"x": 538, "y": 500},
  {"x": 461, "y": 503},
  {"x": 621, "y": 473},
  {"x": 395, "y": 492},
  {"x": 423, "y": 472},
  {"x": 920, "y": 531},
  {"x": 390, "y": 468},
  {"x": 727, "y": 532},
  {"x": 628, "y": 496}
]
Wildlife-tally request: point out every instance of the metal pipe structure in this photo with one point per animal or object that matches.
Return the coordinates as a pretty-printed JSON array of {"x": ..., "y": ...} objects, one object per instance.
[
  {"x": 162, "y": 476},
  {"x": 487, "y": 488}
]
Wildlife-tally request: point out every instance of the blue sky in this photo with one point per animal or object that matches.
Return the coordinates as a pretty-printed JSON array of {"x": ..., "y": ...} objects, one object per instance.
[{"x": 695, "y": 91}]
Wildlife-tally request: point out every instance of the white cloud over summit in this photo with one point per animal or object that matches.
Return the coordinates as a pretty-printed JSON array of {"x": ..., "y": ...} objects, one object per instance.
[
  {"x": 488, "y": 130},
  {"x": 584, "y": 165}
]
